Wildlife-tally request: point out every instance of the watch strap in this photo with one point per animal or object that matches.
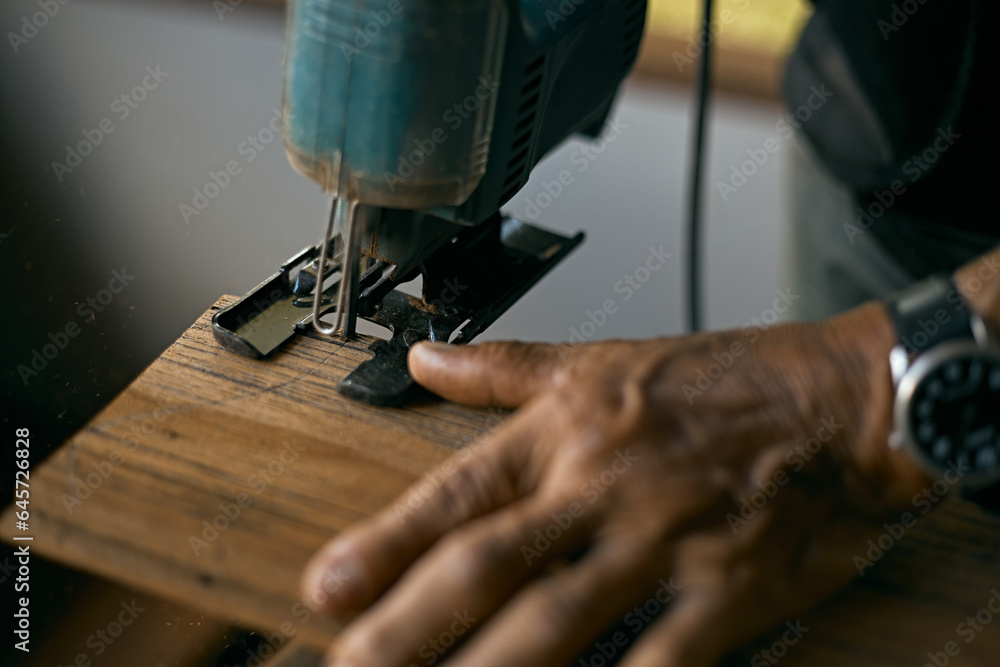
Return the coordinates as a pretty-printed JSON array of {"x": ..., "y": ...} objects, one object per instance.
[{"x": 928, "y": 313}]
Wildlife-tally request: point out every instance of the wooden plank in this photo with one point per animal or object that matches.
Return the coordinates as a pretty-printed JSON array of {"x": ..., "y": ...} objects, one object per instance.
[
  {"x": 202, "y": 431},
  {"x": 911, "y": 601}
]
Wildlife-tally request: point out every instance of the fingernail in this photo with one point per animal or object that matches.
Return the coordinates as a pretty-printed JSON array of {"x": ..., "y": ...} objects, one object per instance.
[
  {"x": 428, "y": 351},
  {"x": 435, "y": 346}
]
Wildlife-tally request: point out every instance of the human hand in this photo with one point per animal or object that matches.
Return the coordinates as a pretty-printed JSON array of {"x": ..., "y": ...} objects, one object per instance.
[{"x": 621, "y": 468}]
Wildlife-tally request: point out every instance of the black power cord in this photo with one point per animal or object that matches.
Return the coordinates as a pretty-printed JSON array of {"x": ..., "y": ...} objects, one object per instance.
[{"x": 695, "y": 169}]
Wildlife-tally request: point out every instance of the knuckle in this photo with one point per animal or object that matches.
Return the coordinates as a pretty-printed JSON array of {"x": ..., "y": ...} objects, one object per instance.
[
  {"x": 459, "y": 497},
  {"x": 573, "y": 368},
  {"x": 611, "y": 409},
  {"x": 364, "y": 647},
  {"x": 470, "y": 557},
  {"x": 586, "y": 400},
  {"x": 553, "y": 608}
]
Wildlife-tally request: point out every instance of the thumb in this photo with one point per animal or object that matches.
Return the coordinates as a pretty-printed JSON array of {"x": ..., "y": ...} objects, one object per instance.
[{"x": 499, "y": 374}]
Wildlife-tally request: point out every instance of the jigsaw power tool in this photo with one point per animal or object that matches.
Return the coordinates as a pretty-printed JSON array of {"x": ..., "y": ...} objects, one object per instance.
[{"x": 421, "y": 119}]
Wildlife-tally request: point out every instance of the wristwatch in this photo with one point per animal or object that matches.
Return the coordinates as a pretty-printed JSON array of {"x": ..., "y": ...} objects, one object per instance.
[{"x": 946, "y": 372}]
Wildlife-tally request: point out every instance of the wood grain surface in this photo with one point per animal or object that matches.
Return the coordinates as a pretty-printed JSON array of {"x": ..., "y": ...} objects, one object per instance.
[{"x": 202, "y": 434}]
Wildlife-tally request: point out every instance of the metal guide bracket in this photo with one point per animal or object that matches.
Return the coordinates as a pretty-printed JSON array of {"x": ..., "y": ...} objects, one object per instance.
[{"x": 468, "y": 284}]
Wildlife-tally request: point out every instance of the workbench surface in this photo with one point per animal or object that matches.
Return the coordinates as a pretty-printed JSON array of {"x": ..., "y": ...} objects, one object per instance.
[{"x": 213, "y": 478}]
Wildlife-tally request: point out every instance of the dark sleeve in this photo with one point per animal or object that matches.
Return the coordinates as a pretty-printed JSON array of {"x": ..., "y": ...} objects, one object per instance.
[{"x": 914, "y": 90}]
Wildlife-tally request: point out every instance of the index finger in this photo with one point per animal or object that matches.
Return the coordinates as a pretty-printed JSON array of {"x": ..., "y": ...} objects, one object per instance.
[
  {"x": 353, "y": 569},
  {"x": 505, "y": 374}
]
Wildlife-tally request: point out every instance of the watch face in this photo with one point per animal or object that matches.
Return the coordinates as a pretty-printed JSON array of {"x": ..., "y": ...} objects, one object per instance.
[{"x": 954, "y": 413}]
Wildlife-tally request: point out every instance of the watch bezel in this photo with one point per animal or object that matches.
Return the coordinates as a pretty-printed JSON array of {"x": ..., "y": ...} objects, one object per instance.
[{"x": 903, "y": 436}]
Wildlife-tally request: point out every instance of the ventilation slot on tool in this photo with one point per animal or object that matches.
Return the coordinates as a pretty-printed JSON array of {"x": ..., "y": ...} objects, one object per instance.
[{"x": 524, "y": 128}]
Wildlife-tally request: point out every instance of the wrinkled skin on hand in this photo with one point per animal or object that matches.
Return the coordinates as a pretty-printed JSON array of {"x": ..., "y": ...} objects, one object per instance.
[{"x": 653, "y": 479}]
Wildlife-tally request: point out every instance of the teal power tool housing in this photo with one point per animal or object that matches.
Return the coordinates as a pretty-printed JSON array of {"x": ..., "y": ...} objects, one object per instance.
[{"x": 421, "y": 118}]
